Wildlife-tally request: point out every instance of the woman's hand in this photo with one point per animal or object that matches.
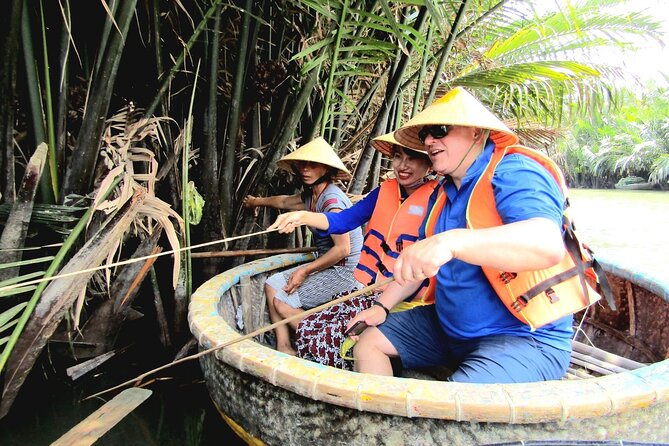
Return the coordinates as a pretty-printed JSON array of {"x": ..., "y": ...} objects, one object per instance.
[
  {"x": 249, "y": 201},
  {"x": 296, "y": 279},
  {"x": 287, "y": 222},
  {"x": 372, "y": 316}
]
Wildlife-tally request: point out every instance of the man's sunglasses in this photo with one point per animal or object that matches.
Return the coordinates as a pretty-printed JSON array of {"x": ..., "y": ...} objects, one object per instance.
[{"x": 436, "y": 131}]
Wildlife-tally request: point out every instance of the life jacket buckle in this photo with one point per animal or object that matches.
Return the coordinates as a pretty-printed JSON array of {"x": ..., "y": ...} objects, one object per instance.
[
  {"x": 519, "y": 304},
  {"x": 507, "y": 277},
  {"x": 382, "y": 268},
  {"x": 552, "y": 295},
  {"x": 385, "y": 247}
]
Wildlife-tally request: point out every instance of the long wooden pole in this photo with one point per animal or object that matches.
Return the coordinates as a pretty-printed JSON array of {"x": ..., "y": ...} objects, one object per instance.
[
  {"x": 298, "y": 316},
  {"x": 129, "y": 261},
  {"x": 250, "y": 252}
]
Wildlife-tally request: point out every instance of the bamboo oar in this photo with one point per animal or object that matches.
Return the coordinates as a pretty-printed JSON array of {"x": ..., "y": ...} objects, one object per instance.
[
  {"x": 126, "y": 262},
  {"x": 139, "y": 378}
]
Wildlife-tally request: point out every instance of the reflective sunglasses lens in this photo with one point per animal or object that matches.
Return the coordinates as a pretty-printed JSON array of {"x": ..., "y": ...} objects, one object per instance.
[
  {"x": 436, "y": 131},
  {"x": 422, "y": 134},
  {"x": 439, "y": 131}
]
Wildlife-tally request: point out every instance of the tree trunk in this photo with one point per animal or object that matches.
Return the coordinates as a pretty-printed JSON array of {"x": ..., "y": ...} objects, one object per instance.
[
  {"x": 446, "y": 51},
  {"x": 16, "y": 227},
  {"x": 211, "y": 215},
  {"x": 101, "y": 329},
  {"x": 79, "y": 175},
  {"x": 358, "y": 182},
  {"x": 61, "y": 114},
  {"x": 267, "y": 165},
  {"x": 230, "y": 153},
  {"x": 10, "y": 24}
]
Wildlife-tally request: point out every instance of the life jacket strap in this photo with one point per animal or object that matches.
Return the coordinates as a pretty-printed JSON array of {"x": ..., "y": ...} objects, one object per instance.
[
  {"x": 546, "y": 286},
  {"x": 574, "y": 246},
  {"x": 371, "y": 252},
  {"x": 382, "y": 269},
  {"x": 382, "y": 242},
  {"x": 604, "y": 284}
]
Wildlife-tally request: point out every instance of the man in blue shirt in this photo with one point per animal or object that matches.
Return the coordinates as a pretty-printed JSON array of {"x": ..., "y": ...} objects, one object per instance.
[{"x": 469, "y": 329}]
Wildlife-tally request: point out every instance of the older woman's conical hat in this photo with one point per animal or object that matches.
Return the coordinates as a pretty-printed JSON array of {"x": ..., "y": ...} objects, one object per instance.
[
  {"x": 317, "y": 151},
  {"x": 457, "y": 107},
  {"x": 385, "y": 143}
]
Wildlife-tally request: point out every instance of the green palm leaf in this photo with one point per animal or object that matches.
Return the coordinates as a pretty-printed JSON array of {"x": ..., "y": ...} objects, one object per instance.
[
  {"x": 660, "y": 169},
  {"x": 537, "y": 67}
]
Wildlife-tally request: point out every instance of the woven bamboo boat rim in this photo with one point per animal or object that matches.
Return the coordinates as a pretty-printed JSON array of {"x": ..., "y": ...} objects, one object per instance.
[{"x": 550, "y": 401}]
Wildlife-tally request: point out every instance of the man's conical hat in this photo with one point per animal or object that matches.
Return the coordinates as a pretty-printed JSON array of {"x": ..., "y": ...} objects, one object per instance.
[
  {"x": 457, "y": 107},
  {"x": 385, "y": 143},
  {"x": 317, "y": 151}
]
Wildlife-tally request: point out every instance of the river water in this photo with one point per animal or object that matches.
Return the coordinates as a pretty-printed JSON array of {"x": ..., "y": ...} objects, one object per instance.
[
  {"x": 179, "y": 412},
  {"x": 628, "y": 227}
]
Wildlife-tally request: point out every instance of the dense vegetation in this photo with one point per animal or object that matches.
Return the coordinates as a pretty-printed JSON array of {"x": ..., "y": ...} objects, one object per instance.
[
  {"x": 118, "y": 117},
  {"x": 631, "y": 141}
]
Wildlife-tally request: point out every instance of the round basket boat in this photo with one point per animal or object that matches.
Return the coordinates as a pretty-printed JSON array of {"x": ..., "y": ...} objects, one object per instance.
[{"x": 272, "y": 398}]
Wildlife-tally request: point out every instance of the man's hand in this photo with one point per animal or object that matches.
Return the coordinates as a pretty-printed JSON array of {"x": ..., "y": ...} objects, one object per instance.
[{"x": 423, "y": 259}]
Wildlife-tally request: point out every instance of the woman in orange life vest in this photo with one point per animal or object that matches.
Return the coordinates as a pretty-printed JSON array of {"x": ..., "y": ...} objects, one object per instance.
[
  {"x": 312, "y": 284},
  {"x": 515, "y": 228},
  {"x": 394, "y": 211}
]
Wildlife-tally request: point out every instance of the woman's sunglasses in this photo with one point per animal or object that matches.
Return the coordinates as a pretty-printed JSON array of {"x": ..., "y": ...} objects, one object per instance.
[{"x": 436, "y": 131}]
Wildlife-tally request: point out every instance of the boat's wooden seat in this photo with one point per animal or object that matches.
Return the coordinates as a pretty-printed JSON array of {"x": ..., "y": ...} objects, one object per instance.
[{"x": 588, "y": 361}]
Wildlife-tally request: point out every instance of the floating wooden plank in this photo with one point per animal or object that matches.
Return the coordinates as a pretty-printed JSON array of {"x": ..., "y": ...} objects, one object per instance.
[
  {"x": 77, "y": 371},
  {"x": 99, "y": 422}
]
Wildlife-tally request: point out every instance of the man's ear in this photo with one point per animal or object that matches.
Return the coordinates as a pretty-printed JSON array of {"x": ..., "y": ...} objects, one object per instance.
[{"x": 477, "y": 133}]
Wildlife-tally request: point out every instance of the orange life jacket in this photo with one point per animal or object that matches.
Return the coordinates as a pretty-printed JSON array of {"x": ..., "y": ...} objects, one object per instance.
[
  {"x": 394, "y": 226},
  {"x": 534, "y": 297}
]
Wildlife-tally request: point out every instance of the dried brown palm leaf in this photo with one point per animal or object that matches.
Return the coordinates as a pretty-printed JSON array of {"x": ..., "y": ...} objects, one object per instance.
[{"x": 127, "y": 143}]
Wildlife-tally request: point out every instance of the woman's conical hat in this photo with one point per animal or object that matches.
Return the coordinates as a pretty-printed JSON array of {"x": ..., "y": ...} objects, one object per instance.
[
  {"x": 385, "y": 143},
  {"x": 457, "y": 107},
  {"x": 317, "y": 151}
]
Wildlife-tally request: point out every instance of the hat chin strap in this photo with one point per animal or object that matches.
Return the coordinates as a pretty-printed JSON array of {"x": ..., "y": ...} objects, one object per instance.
[
  {"x": 306, "y": 191},
  {"x": 485, "y": 138}
]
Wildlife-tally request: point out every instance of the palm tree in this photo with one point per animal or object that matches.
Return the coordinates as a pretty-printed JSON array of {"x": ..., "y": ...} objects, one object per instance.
[{"x": 630, "y": 141}]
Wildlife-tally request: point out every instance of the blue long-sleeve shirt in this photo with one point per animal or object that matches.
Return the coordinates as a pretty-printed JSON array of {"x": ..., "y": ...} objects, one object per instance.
[{"x": 353, "y": 217}]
